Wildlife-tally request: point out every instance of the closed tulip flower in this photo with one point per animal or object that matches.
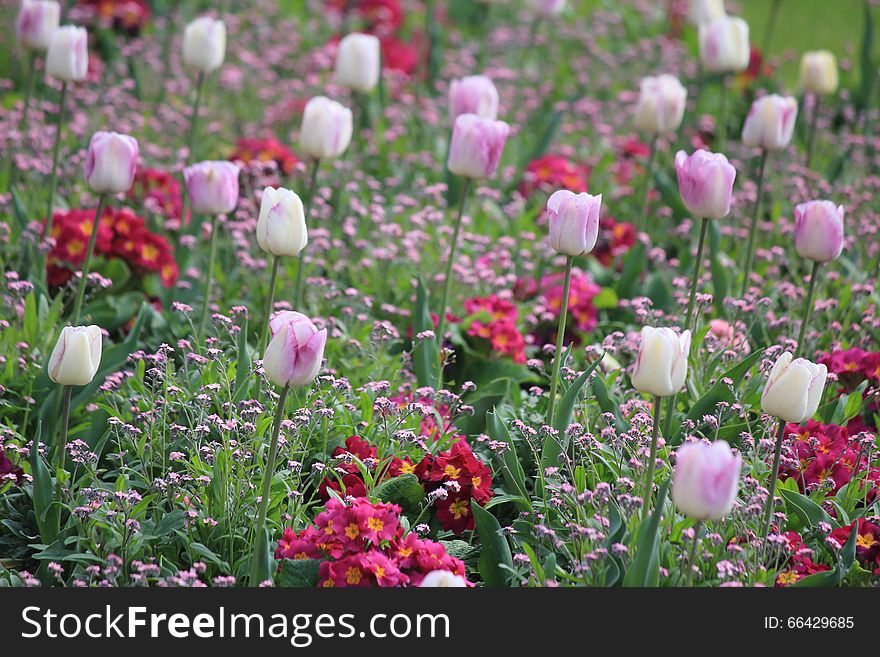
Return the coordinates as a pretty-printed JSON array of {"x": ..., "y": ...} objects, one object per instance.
[
  {"x": 212, "y": 187},
  {"x": 661, "y": 366},
  {"x": 819, "y": 72},
  {"x": 770, "y": 122},
  {"x": 326, "y": 129},
  {"x": 443, "y": 579},
  {"x": 293, "y": 357},
  {"x": 474, "y": 94},
  {"x": 358, "y": 62},
  {"x": 705, "y": 11},
  {"x": 705, "y": 480},
  {"x": 724, "y": 45},
  {"x": 794, "y": 389},
  {"x": 68, "y": 56},
  {"x": 476, "y": 146},
  {"x": 661, "y": 104},
  {"x": 111, "y": 162},
  {"x": 705, "y": 183},
  {"x": 76, "y": 357},
  {"x": 204, "y": 44},
  {"x": 37, "y": 20},
  {"x": 818, "y": 230},
  {"x": 548, "y": 7},
  {"x": 281, "y": 228},
  {"x": 574, "y": 222}
]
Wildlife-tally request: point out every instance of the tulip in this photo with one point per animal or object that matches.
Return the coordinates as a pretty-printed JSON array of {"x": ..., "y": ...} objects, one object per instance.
[
  {"x": 476, "y": 146},
  {"x": 326, "y": 129},
  {"x": 770, "y": 123},
  {"x": 68, "y": 56},
  {"x": 724, "y": 45},
  {"x": 818, "y": 230},
  {"x": 76, "y": 357},
  {"x": 661, "y": 105},
  {"x": 37, "y": 20},
  {"x": 474, "y": 94},
  {"x": 204, "y": 44},
  {"x": 705, "y": 480},
  {"x": 705, "y": 11},
  {"x": 792, "y": 393},
  {"x": 547, "y": 7},
  {"x": 819, "y": 72},
  {"x": 111, "y": 162},
  {"x": 443, "y": 579},
  {"x": 358, "y": 62},
  {"x": 212, "y": 186}
]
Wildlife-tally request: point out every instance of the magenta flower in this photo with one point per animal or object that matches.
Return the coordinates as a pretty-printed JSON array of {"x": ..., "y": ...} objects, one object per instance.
[
  {"x": 293, "y": 357},
  {"x": 705, "y": 182}
]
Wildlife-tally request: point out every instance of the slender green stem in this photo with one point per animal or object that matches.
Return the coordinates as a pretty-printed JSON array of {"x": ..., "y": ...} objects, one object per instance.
[
  {"x": 87, "y": 263},
  {"x": 194, "y": 121},
  {"x": 272, "y": 281},
  {"x": 447, "y": 282},
  {"x": 560, "y": 341},
  {"x": 771, "y": 483},
  {"x": 29, "y": 92},
  {"x": 722, "y": 115},
  {"x": 648, "y": 486},
  {"x": 695, "y": 277},
  {"x": 646, "y": 184},
  {"x": 769, "y": 27},
  {"x": 753, "y": 229},
  {"x": 266, "y": 490},
  {"x": 301, "y": 258},
  {"x": 692, "y": 559},
  {"x": 811, "y": 136},
  {"x": 215, "y": 228},
  {"x": 61, "y": 448},
  {"x": 808, "y": 308},
  {"x": 53, "y": 180}
]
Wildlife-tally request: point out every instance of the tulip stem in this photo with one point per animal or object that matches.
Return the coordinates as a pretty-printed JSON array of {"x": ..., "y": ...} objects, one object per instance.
[
  {"x": 61, "y": 449},
  {"x": 811, "y": 135},
  {"x": 447, "y": 282},
  {"x": 722, "y": 115},
  {"x": 194, "y": 121},
  {"x": 272, "y": 281},
  {"x": 808, "y": 308},
  {"x": 212, "y": 259},
  {"x": 307, "y": 210},
  {"x": 560, "y": 341},
  {"x": 753, "y": 229},
  {"x": 692, "y": 559},
  {"x": 648, "y": 487},
  {"x": 695, "y": 277},
  {"x": 87, "y": 263},
  {"x": 260, "y": 544},
  {"x": 771, "y": 484},
  {"x": 53, "y": 180},
  {"x": 646, "y": 184}
]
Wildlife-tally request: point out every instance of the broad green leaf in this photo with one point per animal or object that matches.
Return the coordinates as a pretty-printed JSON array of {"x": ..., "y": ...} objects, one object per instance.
[
  {"x": 426, "y": 353},
  {"x": 299, "y": 573},
  {"x": 495, "y": 556},
  {"x": 512, "y": 470},
  {"x": 405, "y": 491},
  {"x": 556, "y": 445},
  {"x": 645, "y": 568}
]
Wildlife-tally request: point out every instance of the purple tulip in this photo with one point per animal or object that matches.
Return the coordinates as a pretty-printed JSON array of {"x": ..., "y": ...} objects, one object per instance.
[
  {"x": 574, "y": 222},
  {"x": 37, "y": 19},
  {"x": 111, "y": 162},
  {"x": 818, "y": 230},
  {"x": 212, "y": 187},
  {"x": 705, "y": 182},
  {"x": 705, "y": 480},
  {"x": 476, "y": 146},
  {"x": 293, "y": 357}
]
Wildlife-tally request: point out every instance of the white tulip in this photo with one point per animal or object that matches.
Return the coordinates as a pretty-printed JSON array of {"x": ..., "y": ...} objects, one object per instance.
[
  {"x": 661, "y": 367},
  {"x": 794, "y": 389},
  {"x": 326, "y": 129},
  {"x": 819, "y": 72},
  {"x": 68, "y": 56},
  {"x": 77, "y": 355},
  {"x": 358, "y": 62},
  {"x": 281, "y": 228},
  {"x": 443, "y": 579},
  {"x": 204, "y": 44}
]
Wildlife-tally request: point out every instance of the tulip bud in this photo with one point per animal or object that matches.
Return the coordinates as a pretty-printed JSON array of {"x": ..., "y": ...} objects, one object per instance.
[
  {"x": 293, "y": 357},
  {"x": 724, "y": 45},
  {"x": 818, "y": 230},
  {"x": 794, "y": 389},
  {"x": 111, "y": 162},
  {"x": 474, "y": 94},
  {"x": 212, "y": 187},
  {"x": 819, "y": 72},
  {"x": 204, "y": 44},
  {"x": 358, "y": 62},
  {"x": 443, "y": 579},
  {"x": 68, "y": 56},
  {"x": 77, "y": 355},
  {"x": 574, "y": 222},
  {"x": 281, "y": 228},
  {"x": 770, "y": 123},
  {"x": 705, "y": 11},
  {"x": 37, "y": 20},
  {"x": 661, "y": 366},
  {"x": 705, "y": 183},
  {"x": 547, "y": 7},
  {"x": 476, "y": 146},
  {"x": 661, "y": 104},
  {"x": 705, "y": 479},
  {"x": 326, "y": 129}
]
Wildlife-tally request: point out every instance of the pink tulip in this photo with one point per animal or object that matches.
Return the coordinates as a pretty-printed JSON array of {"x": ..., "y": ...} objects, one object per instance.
[
  {"x": 293, "y": 357},
  {"x": 474, "y": 94},
  {"x": 705, "y": 182},
  {"x": 818, "y": 230},
  {"x": 574, "y": 222},
  {"x": 705, "y": 480},
  {"x": 111, "y": 162},
  {"x": 37, "y": 19},
  {"x": 770, "y": 123},
  {"x": 212, "y": 187},
  {"x": 476, "y": 146}
]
